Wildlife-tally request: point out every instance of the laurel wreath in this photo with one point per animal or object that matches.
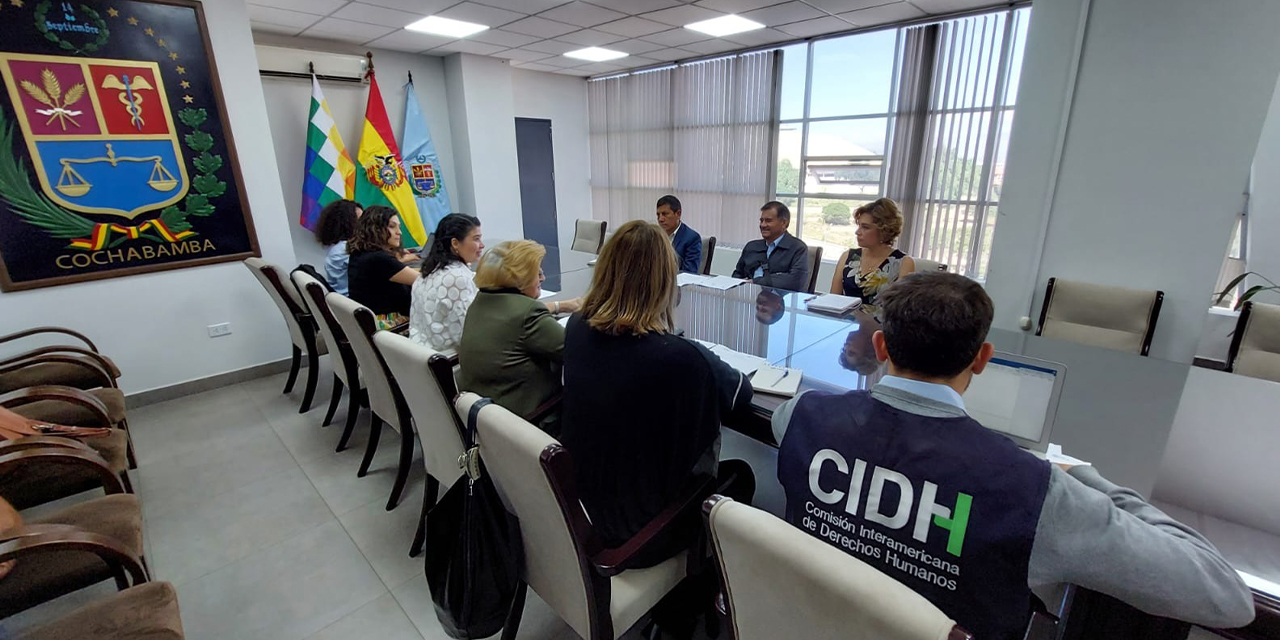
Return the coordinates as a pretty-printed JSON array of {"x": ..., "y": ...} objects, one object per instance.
[
  {"x": 42, "y": 26},
  {"x": 206, "y": 184}
]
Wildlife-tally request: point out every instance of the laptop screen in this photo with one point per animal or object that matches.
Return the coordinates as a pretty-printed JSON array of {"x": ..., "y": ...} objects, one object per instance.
[{"x": 1012, "y": 398}]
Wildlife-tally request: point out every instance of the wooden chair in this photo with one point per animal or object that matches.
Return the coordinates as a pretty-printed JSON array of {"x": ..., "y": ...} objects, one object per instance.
[
  {"x": 346, "y": 372},
  {"x": 815, "y": 262},
  {"x": 36, "y": 470},
  {"x": 589, "y": 586},
  {"x": 74, "y": 407},
  {"x": 72, "y": 365},
  {"x": 147, "y": 611},
  {"x": 708, "y": 252},
  {"x": 302, "y": 331},
  {"x": 1255, "y": 345},
  {"x": 589, "y": 235},
  {"x": 1098, "y": 315},
  {"x": 425, "y": 380},
  {"x": 385, "y": 401}
]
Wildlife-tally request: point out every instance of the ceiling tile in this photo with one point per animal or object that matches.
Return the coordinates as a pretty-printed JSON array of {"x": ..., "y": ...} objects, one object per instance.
[
  {"x": 503, "y": 37},
  {"x": 636, "y": 6},
  {"x": 371, "y": 14},
  {"x": 886, "y": 14},
  {"x": 582, "y": 14},
  {"x": 424, "y": 7},
  {"x": 318, "y": 7},
  {"x": 784, "y": 14},
  {"x": 539, "y": 67},
  {"x": 677, "y": 37},
  {"x": 541, "y": 27},
  {"x": 264, "y": 27},
  {"x": 589, "y": 38},
  {"x": 523, "y": 55},
  {"x": 468, "y": 46},
  {"x": 682, "y": 15},
  {"x": 561, "y": 62},
  {"x": 947, "y": 6},
  {"x": 635, "y": 46},
  {"x": 715, "y": 45},
  {"x": 758, "y": 37},
  {"x": 552, "y": 47},
  {"x": 523, "y": 6},
  {"x": 667, "y": 55},
  {"x": 411, "y": 41},
  {"x": 599, "y": 67},
  {"x": 633, "y": 27},
  {"x": 575, "y": 72},
  {"x": 346, "y": 30},
  {"x": 815, "y": 27},
  {"x": 282, "y": 17},
  {"x": 841, "y": 6},
  {"x": 736, "y": 6},
  {"x": 480, "y": 14}
]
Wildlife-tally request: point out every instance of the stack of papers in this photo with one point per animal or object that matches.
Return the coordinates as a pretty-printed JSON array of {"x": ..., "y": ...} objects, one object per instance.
[
  {"x": 833, "y": 303},
  {"x": 743, "y": 362},
  {"x": 776, "y": 380},
  {"x": 723, "y": 283}
]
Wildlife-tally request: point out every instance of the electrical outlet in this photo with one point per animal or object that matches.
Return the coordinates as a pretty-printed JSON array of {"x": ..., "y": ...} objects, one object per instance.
[{"x": 219, "y": 330}]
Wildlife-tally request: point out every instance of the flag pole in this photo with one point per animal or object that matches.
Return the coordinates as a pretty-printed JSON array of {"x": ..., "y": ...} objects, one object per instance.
[{"x": 369, "y": 56}]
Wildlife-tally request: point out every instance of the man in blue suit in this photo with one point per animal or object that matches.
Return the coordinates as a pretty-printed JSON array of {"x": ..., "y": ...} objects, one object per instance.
[{"x": 686, "y": 241}]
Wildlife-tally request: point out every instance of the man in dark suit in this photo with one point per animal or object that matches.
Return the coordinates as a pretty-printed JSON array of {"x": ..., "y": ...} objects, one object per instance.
[
  {"x": 686, "y": 241},
  {"x": 778, "y": 259}
]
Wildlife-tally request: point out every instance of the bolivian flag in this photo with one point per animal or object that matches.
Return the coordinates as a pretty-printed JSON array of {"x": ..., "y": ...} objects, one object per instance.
[{"x": 380, "y": 179}]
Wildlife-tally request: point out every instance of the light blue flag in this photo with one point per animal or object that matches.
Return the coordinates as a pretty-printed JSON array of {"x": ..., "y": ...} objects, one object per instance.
[{"x": 421, "y": 164}]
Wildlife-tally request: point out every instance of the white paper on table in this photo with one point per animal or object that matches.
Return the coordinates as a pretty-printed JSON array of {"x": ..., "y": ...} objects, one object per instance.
[
  {"x": 564, "y": 322},
  {"x": 745, "y": 363},
  {"x": 1056, "y": 456},
  {"x": 684, "y": 278},
  {"x": 723, "y": 283},
  {"x": 547, "y": 293}
]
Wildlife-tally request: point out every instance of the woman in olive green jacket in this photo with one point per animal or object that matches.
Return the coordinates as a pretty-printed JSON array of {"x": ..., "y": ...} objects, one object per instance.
[{"x": 512, "y": 347}]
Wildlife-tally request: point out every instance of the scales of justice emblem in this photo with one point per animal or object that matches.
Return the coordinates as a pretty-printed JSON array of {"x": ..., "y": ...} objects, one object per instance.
[{"x": 100, "y": 133}]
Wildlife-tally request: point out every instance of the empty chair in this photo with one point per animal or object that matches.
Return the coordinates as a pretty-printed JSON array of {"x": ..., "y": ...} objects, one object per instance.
[
  {"x": 1099, "y": 315},
  {"x": 425, "y": 377},
  {"x": 148, "y": 611},
  {"x": 1255, "y": 345},
  {"x": 345, "y": 370},
  {"x": 780, "y": 582},
  {"x": 815, "y": 261},
  {"x": 708, "y": 252},
  {"x": 923, "y": 264},
  {"x": 73, "y": 407},
  {"x": 588, "y": 235},
  {"x": 589, "y": 587},
  {"x": 301, "y": 327},
  {"x": 73, "y": 365},
  {"x": 385, "y": 402}
]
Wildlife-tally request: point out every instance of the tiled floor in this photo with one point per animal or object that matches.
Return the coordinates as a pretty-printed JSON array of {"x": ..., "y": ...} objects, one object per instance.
[{"x": 268, "y": 533}]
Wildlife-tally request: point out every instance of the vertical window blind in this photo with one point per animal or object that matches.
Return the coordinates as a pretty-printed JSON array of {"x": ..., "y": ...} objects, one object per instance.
[{"x": 702, "y": 131}]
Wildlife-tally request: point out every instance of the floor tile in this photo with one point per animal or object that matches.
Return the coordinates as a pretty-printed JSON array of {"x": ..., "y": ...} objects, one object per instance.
[
  {"x": 54, "y": 609},
  {"x": 199, "y": 537},
  {"x": 382, "y": 619},
  {"x": 334, "y": 475},
  {"x": 307, "y": 440},
  {"x": 193, "y": 424},
  {"x": 180, "y": 480},
  {"x": 288, "y": 591},
  {"x": 384, "y": 538}
]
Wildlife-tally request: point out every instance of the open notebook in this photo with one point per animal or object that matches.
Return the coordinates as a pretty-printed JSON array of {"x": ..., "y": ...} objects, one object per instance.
[{"x": 764, "y": 377}]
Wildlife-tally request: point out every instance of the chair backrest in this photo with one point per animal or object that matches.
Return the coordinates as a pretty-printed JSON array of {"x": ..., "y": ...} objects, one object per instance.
[
  {"x": 512, "y": 451},
  {"x": 588, "y": 235},
  {"x": 430, "y": 401},
  {"x": 273, "y": 279},
  {"x": 1255, "y": 346},
  {"x": 780, "y": 581},
  {"x": 1099, "y": 315},
  {"x": 358, "y": 324},
  {"x": 815, "y": 261},
  {"x": 708, "y": 252},
  {"x": 923, "y": 264},
  {"x": 313, "y": 292}
]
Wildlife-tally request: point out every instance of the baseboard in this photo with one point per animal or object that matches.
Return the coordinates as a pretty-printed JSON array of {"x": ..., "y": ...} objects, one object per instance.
[{"x": 200, "y": 385}]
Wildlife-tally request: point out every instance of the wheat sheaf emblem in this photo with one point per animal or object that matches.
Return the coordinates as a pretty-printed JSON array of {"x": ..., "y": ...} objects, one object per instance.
[{"x": 51, "y": 95}]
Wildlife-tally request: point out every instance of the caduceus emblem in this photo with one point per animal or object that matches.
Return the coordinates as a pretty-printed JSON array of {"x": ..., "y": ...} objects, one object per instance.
[
  {"x": 132, "y": 100},
  {"x": 51, "y": 96}
]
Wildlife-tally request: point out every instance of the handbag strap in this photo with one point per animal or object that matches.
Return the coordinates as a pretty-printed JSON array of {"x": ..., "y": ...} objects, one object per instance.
[
  {"x": 472, "y": 416},
  {"x": 469, "y": 461}
]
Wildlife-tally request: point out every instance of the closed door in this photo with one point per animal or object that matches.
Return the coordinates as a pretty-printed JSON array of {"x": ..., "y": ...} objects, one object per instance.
[{"x": 538, "y": 191}]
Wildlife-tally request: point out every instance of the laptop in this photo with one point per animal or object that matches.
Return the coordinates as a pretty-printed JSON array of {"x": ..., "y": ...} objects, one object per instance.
[{"x": 1018, "y": 397}]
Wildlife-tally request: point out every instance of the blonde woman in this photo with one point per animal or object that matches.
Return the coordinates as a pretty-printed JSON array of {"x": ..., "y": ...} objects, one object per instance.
[
  {"x": 875, "y": 263},
  {"x": 512, "y": 346},
  {"x": 642, "y": 406}
]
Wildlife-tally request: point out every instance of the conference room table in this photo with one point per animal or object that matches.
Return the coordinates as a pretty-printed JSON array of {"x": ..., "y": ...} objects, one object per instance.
[{"x": 1116, "y": 410}]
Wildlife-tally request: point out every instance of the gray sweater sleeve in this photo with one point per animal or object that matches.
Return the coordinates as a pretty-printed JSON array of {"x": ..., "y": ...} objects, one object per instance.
[{"x": 1104, "y": 537}]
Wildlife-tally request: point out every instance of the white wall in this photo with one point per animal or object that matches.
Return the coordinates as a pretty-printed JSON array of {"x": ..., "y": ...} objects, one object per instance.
[
  {"x": 288, "y": 104},
  {"x": 562, "y": 100},
  {"x": 1264, "y": 209},
  {"x": 155, "y": 325},
  {"x": 1163, "y": 125}
]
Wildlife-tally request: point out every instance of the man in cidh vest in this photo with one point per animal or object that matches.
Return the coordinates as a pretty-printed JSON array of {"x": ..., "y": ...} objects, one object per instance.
[{"x": 904, "y": 480}]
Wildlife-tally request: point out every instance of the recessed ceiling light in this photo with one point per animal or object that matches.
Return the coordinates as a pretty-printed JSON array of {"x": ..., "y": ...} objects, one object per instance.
[
  {"x": 446, "y": 27},
  {"x": 724, "y": 26},
  {"x": 595, "y": 54}
]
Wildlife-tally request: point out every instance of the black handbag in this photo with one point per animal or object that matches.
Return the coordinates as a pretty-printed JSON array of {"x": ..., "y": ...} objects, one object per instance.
[{"x": 473, "y": 549}]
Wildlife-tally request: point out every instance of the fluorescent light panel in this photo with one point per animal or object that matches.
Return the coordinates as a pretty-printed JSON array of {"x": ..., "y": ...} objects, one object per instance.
[
  {"x": 595, "y": 54},
  {"x": 724, "y": 26},
  {"x": 446, "y": 27}
]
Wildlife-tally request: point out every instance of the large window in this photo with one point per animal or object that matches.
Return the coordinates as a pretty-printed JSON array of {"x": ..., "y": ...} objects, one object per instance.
[{"x": 921, "y": 115}]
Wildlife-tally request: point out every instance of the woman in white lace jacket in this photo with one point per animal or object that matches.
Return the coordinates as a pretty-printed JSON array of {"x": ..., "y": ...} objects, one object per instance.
[{"x": 446, "y": 289}]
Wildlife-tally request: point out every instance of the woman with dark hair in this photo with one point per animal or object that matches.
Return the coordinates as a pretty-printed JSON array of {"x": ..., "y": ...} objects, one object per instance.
[
  {"x": 336, "y": 225},
  {"x": 377, "y": 278},
  {"x": 447, "y": 286}
]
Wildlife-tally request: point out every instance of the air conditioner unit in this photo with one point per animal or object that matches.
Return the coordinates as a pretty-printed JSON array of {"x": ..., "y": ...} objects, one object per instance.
[{"x": 283, "y": 62}]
